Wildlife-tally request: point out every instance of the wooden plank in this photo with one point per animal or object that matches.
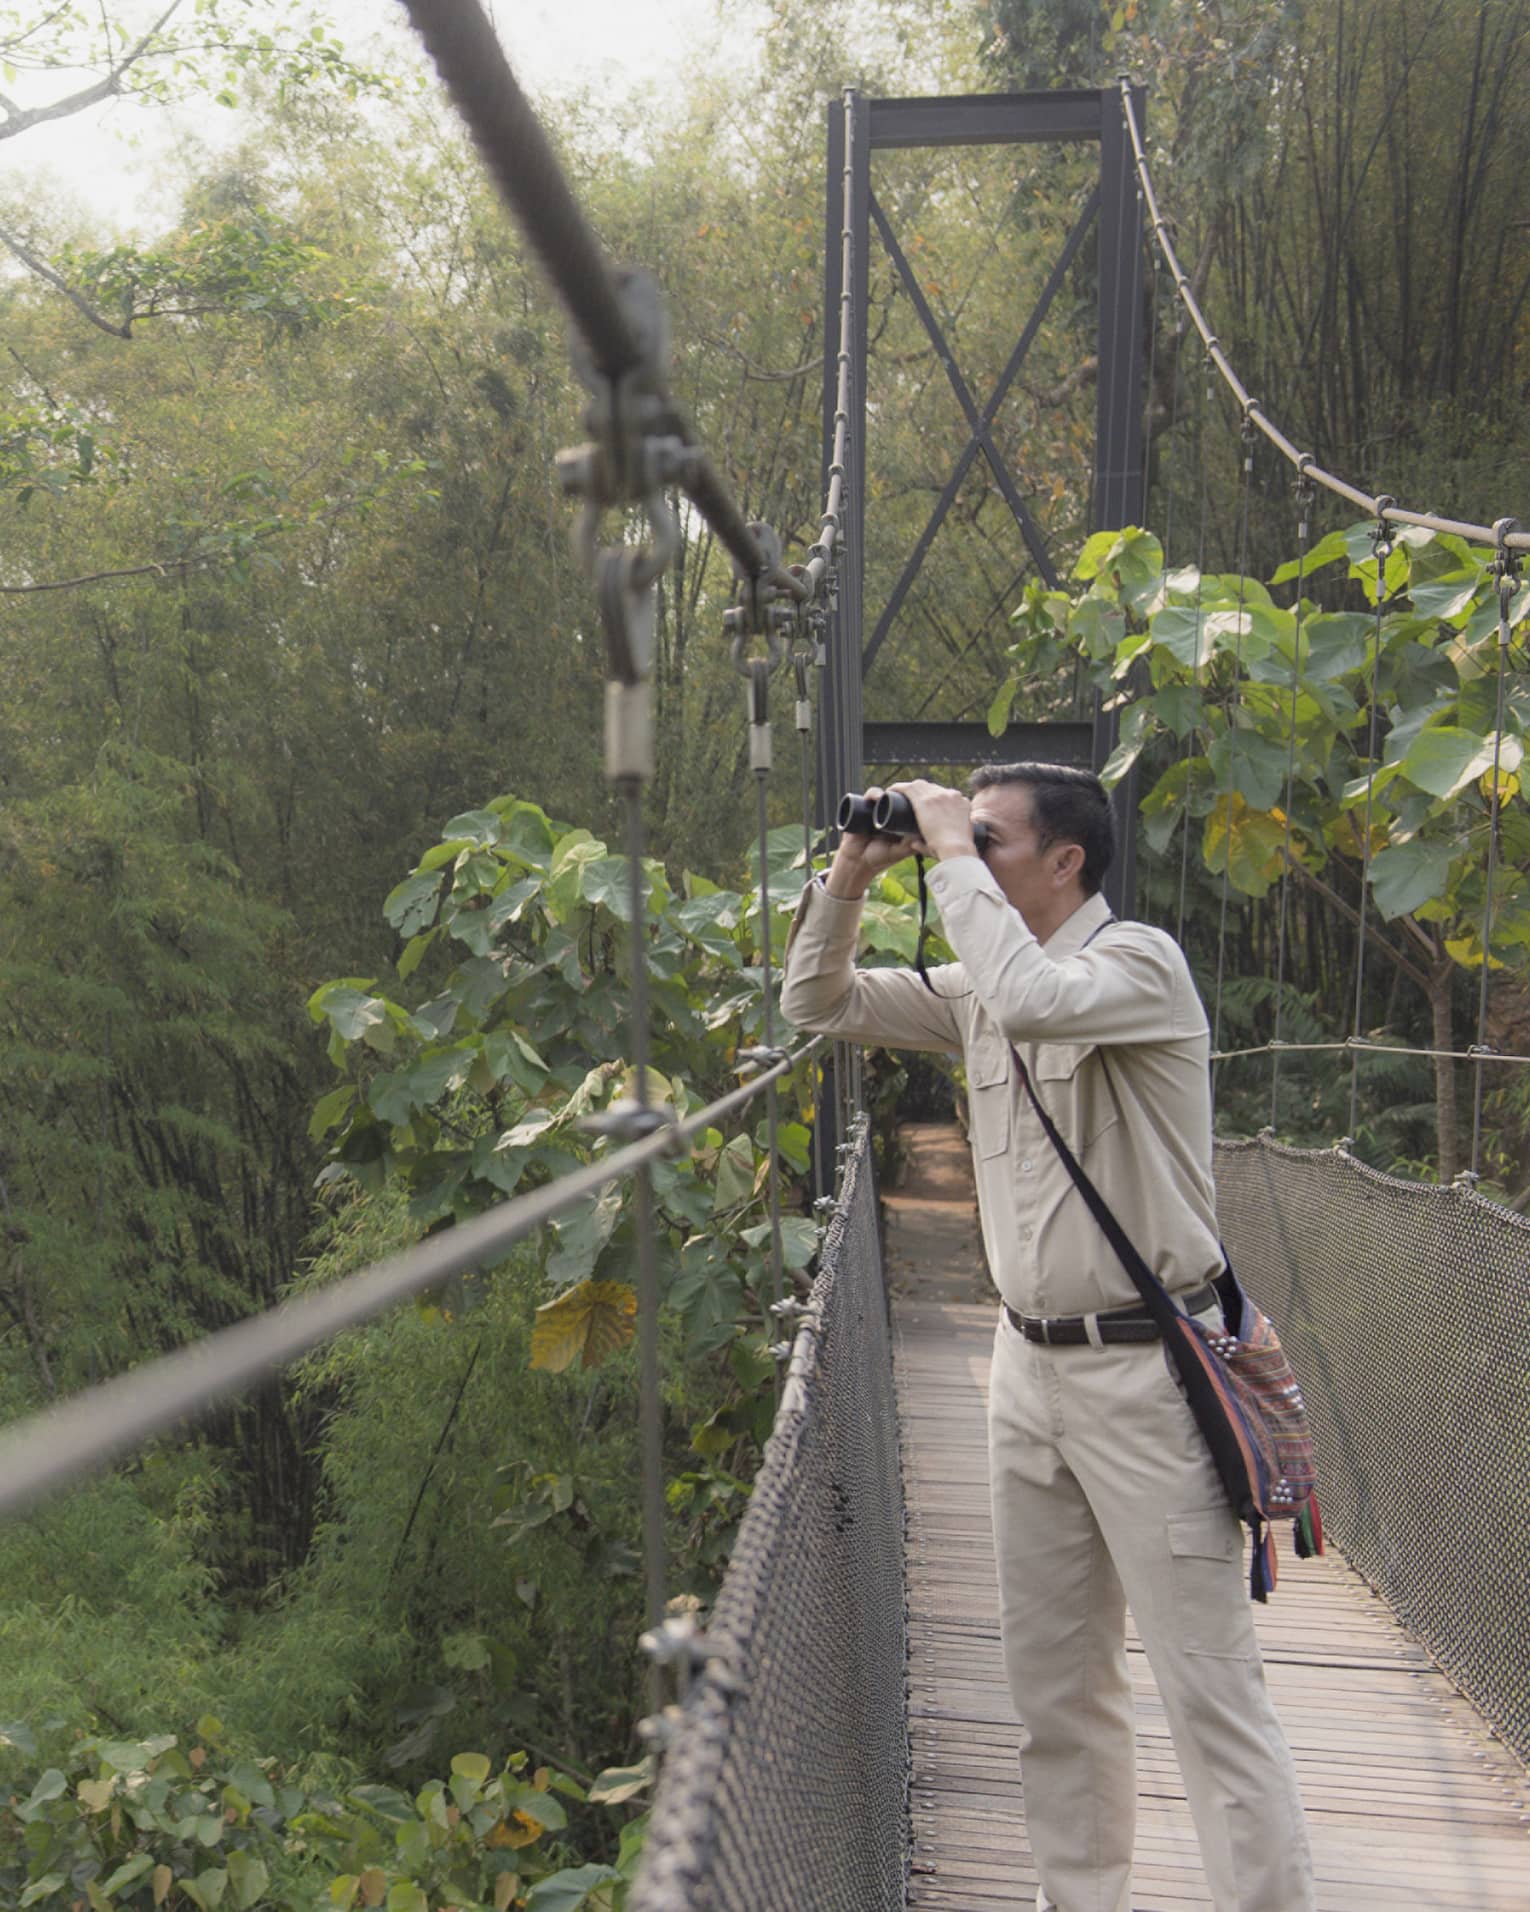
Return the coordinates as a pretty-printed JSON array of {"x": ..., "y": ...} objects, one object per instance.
[{"x": 1410, "y": 1802}]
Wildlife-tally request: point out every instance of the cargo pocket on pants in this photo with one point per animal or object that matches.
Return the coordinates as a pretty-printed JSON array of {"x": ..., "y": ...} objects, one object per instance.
[{"x": 1207, "y": 1553}]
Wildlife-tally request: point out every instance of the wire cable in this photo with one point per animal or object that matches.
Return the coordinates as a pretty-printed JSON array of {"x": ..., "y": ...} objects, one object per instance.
[
  {"x": 1303, "y": 532},
  {"x": 59, "y": 1444},
  {"x": 1381, "y": 507},
  {"x": 1381, "y": 546}
]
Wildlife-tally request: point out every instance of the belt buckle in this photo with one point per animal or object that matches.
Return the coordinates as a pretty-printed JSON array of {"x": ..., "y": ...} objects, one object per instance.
[{"x": 1044, "y": 1322}]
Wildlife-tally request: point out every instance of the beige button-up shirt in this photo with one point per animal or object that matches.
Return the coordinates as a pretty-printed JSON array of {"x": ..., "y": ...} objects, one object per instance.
[{"x": 1110, "y": 1026}]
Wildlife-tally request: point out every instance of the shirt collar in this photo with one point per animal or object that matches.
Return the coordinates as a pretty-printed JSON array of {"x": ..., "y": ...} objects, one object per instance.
[{"x": 1070, "y": 937}]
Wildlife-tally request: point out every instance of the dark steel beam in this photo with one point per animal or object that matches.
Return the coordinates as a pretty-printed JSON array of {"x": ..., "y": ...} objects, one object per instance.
[
  {"x": 990, "y": 412},
  {"x": 989, "y": 119},
  {"x": 977, "y": 425},
  {"x": 921, "y": 744},
  {"x": 1118, "y": 466}
]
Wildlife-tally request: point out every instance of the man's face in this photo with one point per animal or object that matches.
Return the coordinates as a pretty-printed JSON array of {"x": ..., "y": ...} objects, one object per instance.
[{"x": 1023, "y": 870}]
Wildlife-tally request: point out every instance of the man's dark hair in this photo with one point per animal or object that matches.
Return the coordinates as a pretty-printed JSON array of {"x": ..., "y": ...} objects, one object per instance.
[{"x": 1068, "y": 805}]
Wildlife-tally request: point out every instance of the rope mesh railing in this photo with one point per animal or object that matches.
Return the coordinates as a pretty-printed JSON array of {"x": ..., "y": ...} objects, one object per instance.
[
  {"x": 1406, "y": 1310},
  {"x": 785, "y": 1782}
]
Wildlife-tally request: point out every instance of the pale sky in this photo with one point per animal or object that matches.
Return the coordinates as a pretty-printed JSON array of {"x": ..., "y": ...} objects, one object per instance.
[{"x": 108, "y": 158}]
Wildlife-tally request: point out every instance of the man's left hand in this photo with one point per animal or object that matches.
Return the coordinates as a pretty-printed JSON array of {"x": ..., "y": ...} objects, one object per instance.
[{"x": 944, "y": 816}]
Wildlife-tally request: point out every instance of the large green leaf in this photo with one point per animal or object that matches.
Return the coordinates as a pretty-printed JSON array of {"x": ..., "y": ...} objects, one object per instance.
[
  {"x": 735, "y": 1175},
  {"x": 1251, "y": 764},
  {"x": 570, "y": 1889},
  {"x": 1409, "y": 874},
  {"x": 581, "y": 1233},
  {"x": 410, "y": 905},
  {"x": 1444, "y": 759}
]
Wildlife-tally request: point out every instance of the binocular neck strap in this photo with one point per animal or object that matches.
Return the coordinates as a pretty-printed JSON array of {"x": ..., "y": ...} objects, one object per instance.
[{"x": 924, "y": 928}]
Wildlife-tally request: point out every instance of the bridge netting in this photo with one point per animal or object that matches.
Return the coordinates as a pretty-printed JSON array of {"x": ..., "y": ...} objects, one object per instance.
[
  {"x": 1406, "y": 1310},
  {"x": 786, "y": 1780}
]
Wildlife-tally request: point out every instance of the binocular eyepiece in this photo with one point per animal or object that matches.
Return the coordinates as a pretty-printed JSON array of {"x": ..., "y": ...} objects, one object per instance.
[{"x": 889, "y": 815}]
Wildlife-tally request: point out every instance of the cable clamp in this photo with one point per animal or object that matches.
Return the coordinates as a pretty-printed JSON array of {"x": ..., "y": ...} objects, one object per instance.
[
  {"x": 1506, "y": 569},
  {"x": 627, "y": 1121},
  {"x": 677, "y": 1641},
  {"x": 1345, "y": 1145},
  {"x": 1483, "y": 1051},
  {"x": 1465, "y": 1180},
  {"x": 825, "y": 1204},
  {"x": 794, "y": 1310},
  {"x": 781, "y": 1350},
  {"x": 767, "y": 603},
  {"x": 659, "y": 1730},
  {"x": 751, "y": 1061}
]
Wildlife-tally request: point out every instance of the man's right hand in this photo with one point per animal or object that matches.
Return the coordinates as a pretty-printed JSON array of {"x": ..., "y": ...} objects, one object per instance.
[{"x": 859, "y": 860}]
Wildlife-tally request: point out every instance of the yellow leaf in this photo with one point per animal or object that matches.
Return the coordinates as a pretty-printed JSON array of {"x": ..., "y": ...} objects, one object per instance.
[
  {"x": 374, "y": 1885},
  {"x": 160, "y": 1879},
  {"x": 471, "y": 1766},
  {"x": 541, "y": 1778},
  {"x": 1465, "y": 950},
  {"x": 97, "y": 1793},
  {"x": 1508, "y": 785},
  {"x": 589, "y": 1322},
  {"x": 342, "y": 1891},
  {"x": 520, "y": 1829}
]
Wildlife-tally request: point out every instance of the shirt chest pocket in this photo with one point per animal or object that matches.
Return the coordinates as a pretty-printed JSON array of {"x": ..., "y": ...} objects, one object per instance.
[
  {"x": 988, "y": 1067},
  {"x": 1072, "y": 1083}
]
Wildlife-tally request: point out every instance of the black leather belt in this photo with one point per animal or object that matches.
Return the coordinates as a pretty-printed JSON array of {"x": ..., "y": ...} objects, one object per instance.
[{"x": 1117, "y": 1324}]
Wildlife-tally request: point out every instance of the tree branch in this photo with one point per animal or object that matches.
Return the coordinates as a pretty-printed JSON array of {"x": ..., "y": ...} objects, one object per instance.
[
  {"x": 102, "y": 89},
  {"x": 162, "y": 569},
  {"x": 44, "y": 271},
  {"x": 1348, "y": 910}
]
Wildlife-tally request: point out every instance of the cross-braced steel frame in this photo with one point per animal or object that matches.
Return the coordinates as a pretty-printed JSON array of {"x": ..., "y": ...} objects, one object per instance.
[{"x": 847, "y": 744}]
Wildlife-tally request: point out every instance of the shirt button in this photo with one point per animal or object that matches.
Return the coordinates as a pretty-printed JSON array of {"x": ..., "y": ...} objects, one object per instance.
[{"x": 1025, "y": 1166}]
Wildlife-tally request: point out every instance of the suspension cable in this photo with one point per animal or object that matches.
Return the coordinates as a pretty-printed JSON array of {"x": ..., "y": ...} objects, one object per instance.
[
  {"x": 1195, "y": 655},
  {"x": 1232, "y": 735},
  {"x": 61, "y": 1443},
  {"x": 1381, "y": 546},
  {"x": 1385, "y": 508},
  {"x": 1304, "y": 496},
  {"x": 1506, "y": 567},
  {"x": 760, "y": 764}
]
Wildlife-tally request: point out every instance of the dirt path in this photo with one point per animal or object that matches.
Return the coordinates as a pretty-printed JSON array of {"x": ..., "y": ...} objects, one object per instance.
[{"x": 933, "y": 1244}]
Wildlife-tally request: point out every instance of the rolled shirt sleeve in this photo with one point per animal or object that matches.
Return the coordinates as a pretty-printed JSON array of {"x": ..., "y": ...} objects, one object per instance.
[{"x": 823, "y": 991}]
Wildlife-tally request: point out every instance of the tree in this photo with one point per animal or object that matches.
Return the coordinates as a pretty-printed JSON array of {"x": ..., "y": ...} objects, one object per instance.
[{"x": 1285, "y": 732}]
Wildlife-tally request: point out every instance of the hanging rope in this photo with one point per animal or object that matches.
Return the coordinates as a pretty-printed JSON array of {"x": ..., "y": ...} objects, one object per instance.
[
  {"x": 1195, "y": 656},
  {"x": 1232, "y": 735},
  {"x": 1506, "y": 568},
  {"x": 1381, "y": 548},
  {"x": 1304, "y": 497},
  {"x": 760, "y": 764},
  {"x": 1381, "y": 507}
]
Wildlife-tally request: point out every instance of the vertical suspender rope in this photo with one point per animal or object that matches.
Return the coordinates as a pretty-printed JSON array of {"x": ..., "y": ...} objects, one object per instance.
[
  {"x": 759, "y": 763},
  {"x": 629, "y": 733},
  {"x": 1232, "y": 733},
  {"x": 1505, "y": 566},
  {"x": 1304, "y": 496},
  {"x": 1195, "y": 660},
  {"x": 801, "y": 666},
  {"x": 1381, "y": 545}
]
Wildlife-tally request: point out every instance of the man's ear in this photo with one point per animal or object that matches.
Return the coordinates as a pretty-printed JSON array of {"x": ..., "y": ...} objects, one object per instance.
[{"x": 1067, "y": 863}]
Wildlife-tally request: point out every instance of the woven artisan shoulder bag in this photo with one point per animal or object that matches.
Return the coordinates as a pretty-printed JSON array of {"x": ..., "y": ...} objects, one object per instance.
[{"x": 1246, "y": 1401}]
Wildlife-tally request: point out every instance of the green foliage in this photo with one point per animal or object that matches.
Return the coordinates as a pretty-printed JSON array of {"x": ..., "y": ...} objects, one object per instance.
[
  {"x": 1213, "y": 662},
  {"x": 140, "y": 1823},
  {"x": 490, "y": 1065}
]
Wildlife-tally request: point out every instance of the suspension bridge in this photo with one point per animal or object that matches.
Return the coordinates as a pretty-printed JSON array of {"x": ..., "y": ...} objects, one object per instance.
[{"x": 838, "y": 1734}]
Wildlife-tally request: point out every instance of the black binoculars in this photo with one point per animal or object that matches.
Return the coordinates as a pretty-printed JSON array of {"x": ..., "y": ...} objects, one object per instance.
[{"x": 889, "y": 815}]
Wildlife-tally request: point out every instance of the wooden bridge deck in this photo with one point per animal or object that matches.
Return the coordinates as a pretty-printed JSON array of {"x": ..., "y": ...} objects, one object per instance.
[{"x": 1410, "y": 1803}]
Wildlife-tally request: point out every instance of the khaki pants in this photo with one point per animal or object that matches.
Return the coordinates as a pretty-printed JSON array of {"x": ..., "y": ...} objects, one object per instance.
[{"x": 1104, "y": 1495}]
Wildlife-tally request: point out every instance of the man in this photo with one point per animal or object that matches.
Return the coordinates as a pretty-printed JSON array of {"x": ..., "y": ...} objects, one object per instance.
[{"x": 1103, "y": 1491}]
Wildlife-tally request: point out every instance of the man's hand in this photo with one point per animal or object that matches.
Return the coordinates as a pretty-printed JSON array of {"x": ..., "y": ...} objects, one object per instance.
[
  {"x": 945, "y": 819},
  {"x": 945, "y": 829},
  {"x": 860, "y": 860}
]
